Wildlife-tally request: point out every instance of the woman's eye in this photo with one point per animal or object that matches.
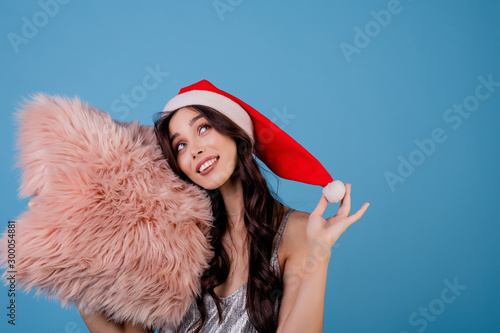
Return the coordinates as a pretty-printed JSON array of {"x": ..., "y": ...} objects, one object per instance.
[
  {"x": 179, "y": 146},
  {"x": 206, "y": 126}
]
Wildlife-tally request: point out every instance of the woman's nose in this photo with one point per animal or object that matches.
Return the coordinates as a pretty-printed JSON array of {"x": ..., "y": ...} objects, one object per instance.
[{"x": 196, "y": 151}]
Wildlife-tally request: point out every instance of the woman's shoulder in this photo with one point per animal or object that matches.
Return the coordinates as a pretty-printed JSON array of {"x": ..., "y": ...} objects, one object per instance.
[
  {"x": 294, "y": 235},
  {"x": 297, "y": 218}
]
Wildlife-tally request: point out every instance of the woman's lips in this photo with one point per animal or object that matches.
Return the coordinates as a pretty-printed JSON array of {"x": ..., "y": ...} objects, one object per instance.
[
  {"x": 204, "y": 161},
  {"x": 210, "y": 168}
]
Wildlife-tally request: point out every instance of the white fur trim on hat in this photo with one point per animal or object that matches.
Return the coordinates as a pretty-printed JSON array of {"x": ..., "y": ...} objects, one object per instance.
[{"x": 221, "y": 103}]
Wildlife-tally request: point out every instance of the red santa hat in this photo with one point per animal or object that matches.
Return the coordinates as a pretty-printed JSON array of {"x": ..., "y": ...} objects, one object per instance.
[{"x": 277, "y": 150}]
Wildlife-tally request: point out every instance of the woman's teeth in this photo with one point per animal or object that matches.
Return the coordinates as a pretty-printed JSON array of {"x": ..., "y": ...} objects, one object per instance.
[{"x": 207, "y": 164}]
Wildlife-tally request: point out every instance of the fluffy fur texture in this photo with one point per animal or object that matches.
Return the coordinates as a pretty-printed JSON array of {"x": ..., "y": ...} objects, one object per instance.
[{"x": 111, "y": 228}]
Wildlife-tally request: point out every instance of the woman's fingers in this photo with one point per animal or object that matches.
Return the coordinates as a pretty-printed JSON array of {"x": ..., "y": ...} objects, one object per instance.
[
  {"x": 30, "y": 203},
  {"x": 345, "y": 206},
  {"x": 320, "y": 208},
  {"x": 356, "y": 216}
]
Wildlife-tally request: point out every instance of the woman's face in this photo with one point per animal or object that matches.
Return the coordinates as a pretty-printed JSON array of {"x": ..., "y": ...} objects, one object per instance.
[{"x": 206, "y": 156}]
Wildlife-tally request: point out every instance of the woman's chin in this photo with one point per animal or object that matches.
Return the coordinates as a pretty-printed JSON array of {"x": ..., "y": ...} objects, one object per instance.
[
  {"x": 217, "y": 178},
  {"x": 215, "y": 182},
  {"x": 211, "y": 184}
]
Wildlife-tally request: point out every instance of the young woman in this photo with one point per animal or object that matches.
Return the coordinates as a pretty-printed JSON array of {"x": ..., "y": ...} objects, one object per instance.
[{"x": 269, "y": 270}]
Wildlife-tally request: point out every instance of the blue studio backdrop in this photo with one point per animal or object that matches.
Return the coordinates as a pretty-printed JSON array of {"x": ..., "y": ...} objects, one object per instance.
[{"x": 399, "y": 98}]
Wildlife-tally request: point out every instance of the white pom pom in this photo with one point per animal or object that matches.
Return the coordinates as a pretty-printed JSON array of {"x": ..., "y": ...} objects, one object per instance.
[{"x": 334, "y": 191}]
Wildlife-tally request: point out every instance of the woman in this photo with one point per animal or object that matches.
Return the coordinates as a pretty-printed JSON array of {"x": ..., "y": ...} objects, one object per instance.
[{"x": 269, "y": 270}]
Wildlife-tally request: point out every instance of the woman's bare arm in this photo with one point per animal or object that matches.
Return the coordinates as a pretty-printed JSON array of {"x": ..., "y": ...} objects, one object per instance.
[
  {"x": 306, "y": 266},
  {"x": 101, "y": 324},
  {"x": 304, "y": 281}
]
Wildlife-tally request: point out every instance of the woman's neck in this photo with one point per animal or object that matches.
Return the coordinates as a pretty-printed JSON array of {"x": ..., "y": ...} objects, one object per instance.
[{"x": 232, "y": 194}]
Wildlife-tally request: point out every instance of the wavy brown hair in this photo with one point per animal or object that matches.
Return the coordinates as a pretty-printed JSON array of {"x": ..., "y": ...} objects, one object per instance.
[{"x": 263, "y": 214}]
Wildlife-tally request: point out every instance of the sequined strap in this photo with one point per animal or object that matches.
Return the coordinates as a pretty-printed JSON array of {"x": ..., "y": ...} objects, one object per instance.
[{"x": 275, "y": 262}]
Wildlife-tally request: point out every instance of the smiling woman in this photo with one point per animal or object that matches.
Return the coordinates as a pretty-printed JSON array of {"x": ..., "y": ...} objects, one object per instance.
[{"x": 257, "y": 280}]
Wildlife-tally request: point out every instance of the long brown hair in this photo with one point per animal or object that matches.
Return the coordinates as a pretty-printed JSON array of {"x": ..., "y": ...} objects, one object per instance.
[{"x": 263, "y": 214}]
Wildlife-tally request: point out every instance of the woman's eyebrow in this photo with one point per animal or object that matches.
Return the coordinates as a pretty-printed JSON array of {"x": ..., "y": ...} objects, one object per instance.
[{"x": 191, "y": 122}]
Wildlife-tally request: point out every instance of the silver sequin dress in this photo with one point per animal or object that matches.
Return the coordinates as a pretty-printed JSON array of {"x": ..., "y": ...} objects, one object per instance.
[{"x": 234, "y": 313}]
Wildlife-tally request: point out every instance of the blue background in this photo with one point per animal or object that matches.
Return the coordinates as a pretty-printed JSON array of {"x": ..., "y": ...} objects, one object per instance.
[{"x": 360, "y": 114}]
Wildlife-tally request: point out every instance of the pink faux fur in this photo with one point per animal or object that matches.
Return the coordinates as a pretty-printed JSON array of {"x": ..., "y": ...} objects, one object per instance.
[{"x": 112, "y": 227}]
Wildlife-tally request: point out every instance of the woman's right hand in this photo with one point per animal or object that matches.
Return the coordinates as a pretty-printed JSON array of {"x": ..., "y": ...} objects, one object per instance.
[
  {"x": 326, "y": 232},
  {"x": 101, "y": 324}
]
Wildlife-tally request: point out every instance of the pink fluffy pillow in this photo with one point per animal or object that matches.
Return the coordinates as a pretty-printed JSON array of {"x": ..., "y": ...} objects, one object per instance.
[{"x": 111, "y": 228}]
